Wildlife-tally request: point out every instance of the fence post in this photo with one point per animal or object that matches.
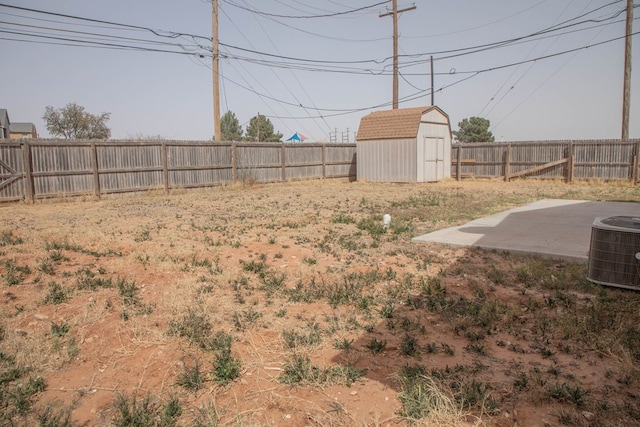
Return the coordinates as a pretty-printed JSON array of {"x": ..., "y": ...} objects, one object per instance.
[
  {"x": 28, "y": 173},
  {"x": 570, "y": 163},
  {"x": 507, "y": 163},
  {"x": 94, "y": 166},
  {"x": 636, "y": 161},
  {"x": 234, "y": 163},
  {"x": 165, "y": 168},
  {"x": 459, "y": 163},
  {"x": 284, "y": 163},
  {"x": 324, "y": 161}
]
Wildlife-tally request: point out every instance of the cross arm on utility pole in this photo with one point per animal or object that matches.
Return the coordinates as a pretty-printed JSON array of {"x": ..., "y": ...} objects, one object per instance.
[
  {"x": 391, "y": 12},
  {"x": 394, "y": 13}
]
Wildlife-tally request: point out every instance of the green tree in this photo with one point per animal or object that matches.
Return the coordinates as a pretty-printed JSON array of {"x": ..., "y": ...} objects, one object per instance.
[
  {"x": 72, "y": 121},
  {"x": 230, "y": 128},
  {"x": 260, "y": 128},
  {"x": 474, "y": 129}
]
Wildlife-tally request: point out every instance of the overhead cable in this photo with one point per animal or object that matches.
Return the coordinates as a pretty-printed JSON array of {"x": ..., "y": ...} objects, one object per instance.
[{"x": 327, "y": 15}]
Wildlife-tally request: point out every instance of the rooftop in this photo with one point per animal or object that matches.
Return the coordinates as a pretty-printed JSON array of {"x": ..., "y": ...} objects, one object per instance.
[{"x": 391, "y": 124}]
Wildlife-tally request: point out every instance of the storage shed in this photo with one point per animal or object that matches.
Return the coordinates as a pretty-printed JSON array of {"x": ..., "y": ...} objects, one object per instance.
[{"x": 404, "y": 145}]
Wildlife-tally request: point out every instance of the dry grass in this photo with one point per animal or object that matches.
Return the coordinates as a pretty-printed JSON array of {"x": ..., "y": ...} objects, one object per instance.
[{"x": 292, "y": 283}]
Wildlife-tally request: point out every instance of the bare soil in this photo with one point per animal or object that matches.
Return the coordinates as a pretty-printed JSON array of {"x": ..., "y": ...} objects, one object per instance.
[{"x": 304, "y": 271}]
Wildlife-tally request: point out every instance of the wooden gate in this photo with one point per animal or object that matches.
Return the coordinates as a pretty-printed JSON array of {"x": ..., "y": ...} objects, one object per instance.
[{"x": 12, "y": 174}]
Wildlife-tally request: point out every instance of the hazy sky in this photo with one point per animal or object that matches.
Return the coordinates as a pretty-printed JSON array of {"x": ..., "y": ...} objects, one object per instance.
[{"x": 316, "y": 67}]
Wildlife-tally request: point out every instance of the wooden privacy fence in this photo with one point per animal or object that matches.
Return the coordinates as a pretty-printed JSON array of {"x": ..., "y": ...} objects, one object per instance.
[
  {"x": 38, "y": 169},
  {"x": 568, "y": 160}
]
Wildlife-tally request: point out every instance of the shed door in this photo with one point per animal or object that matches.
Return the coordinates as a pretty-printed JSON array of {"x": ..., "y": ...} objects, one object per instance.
[{"x": 433, "y": 158}]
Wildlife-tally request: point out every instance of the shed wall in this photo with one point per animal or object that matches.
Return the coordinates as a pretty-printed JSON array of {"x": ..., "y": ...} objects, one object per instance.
[{"x": 386, "y": 160}]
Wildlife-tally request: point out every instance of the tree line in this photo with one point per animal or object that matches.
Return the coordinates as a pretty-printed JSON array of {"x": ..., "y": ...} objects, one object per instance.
[
  {"x": 259, "y": 128},
  {"x": 73, "y": 122}
]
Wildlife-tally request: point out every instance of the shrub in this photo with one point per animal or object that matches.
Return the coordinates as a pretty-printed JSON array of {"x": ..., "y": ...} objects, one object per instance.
[{"x": 56, "y": 295}]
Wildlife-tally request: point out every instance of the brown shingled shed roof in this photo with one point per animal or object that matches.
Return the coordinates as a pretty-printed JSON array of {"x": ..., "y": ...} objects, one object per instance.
[{"x": 392, "y": 124}]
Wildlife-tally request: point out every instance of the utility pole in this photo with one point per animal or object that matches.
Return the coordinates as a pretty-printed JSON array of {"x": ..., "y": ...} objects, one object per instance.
[
  {"x": 432, "y": 93},
  {"x": 394, "y": 14},
  {"x": 626, "y": 93},
  {"x": 215, "y": 66}
]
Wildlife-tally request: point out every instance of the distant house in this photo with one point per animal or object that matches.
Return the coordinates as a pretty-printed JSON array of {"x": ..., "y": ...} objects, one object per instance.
[
  {"x": 23, "y": 130},
  {"x": 404, "y": 145},
  {"x": 5, "y": 123}
]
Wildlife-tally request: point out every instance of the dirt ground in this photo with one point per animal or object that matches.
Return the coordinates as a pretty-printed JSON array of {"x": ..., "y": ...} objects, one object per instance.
[{"x": 332, "y": 318}]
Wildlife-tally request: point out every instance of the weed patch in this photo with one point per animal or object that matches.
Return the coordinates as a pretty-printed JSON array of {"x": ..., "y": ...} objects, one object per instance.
[
  {"x": 373, "y": 225},
  {"x": 88, "y": 280},
  {"x": 56, "y": 295},
  {"x": 15, "y": 273},
  {"x": 58, "y": 246},
  {"x": 191, "y": 377},
  {"x": 377, "y": 346},
  {"x": 7, "y": 238},
  {"x": 145, "y": 412},
  {"x": 226, "y": 368},
  {"x": 294, "y": 339},
  {"x": 52, "y": 417},
  {"x": 300, "y": 370}
]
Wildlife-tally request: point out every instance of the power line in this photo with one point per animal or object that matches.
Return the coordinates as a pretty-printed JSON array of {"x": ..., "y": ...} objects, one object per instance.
[
  {"x": 295, "y": 78},
  {"x": 301, "y": 4},
  {"x": 89, "y": 43},
  {"x": 84, "y": 43},
  {"x": 541, "y": 85},
  {"x": 473, "y": 74},
  {"x": 120, "y": 43},
  {"x": 485, "y": 47},
  {"x": 488, "y": 24},
  {"x": 530, "y": 67},
  {"x": 328, "y": 15},
  {"x": 233, "y": 23},
  {"x": 319, "y": 67},
  {"x": 99, "y": 21},
  {"x": 407, "y": 98},
  {"x": 323, "y": 36},
  {"x": 454, "y": 53},
  {"x": 86, "y": 33},
  {"x": 461, "y": 51}
]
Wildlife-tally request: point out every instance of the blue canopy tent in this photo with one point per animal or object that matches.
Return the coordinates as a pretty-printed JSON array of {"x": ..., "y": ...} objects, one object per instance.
[{"x": 297, "y": 137}]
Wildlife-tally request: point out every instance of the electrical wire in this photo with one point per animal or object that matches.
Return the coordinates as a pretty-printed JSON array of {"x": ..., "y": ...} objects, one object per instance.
[
  {"x": 385, "y": 70},
  {"x": 88, "y": 43},
  {"x": 327, "y": 15},
  {"x": 290, "y": 27},
  {"x": 541, "y": 85},
  {"x": 334, "y": 112},
  {"x": 453, "y": 53},
  {"x": 530, "y": 67},
  {"x": 408, "y": 98},
  {"x": 100, "y": 36},
  {"x": 488, "y": 24},
  {"x": 99, "y": 21},
  {"x": 460, "y": 51},
  {"x": 258, "y": 80},
  {"x": 301, "y": 86},
  {"x": 200, "y": 52}
]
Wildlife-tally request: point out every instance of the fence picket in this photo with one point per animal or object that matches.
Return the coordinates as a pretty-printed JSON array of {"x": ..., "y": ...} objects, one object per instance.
[
  {"x": 606, "y": 160},
  {"x": 67, "y": 167}
]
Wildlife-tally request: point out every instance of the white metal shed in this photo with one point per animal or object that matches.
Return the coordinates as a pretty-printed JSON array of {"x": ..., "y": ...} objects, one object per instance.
[{"x": 404, "y": 145}]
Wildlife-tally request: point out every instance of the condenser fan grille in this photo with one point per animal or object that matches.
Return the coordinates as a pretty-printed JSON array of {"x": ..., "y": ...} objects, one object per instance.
[{"x": 614, "y": 254}]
